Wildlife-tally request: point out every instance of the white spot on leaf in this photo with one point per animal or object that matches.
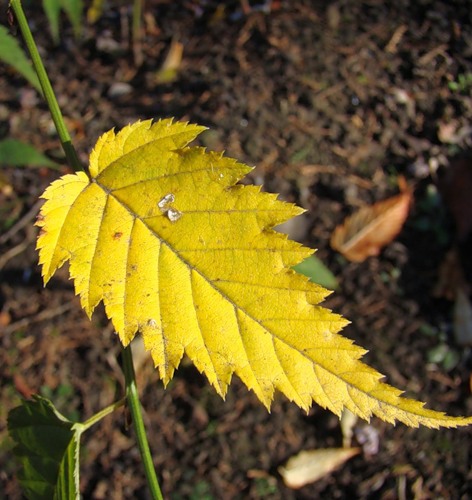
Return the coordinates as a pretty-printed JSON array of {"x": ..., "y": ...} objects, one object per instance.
[
  {"x": 166, "y": 201},
  {"x": 165, "y": 207},
  {"x": 174, "y": 214}
]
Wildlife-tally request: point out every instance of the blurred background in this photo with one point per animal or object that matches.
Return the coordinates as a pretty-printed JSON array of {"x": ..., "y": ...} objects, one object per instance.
[{"x": 340, "y": 106}]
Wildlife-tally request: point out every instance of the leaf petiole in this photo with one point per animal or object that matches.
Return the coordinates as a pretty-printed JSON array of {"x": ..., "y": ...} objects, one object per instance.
[{"x": 102, "y": 413}]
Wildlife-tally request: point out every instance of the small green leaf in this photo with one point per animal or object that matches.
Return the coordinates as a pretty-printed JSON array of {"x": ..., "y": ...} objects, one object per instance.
[
  {"x": 73, "y": 10},
  {"x": 52, "y": 9},
  {"x": 15, "y": 153},
  {"x": 11, "y": 53},
  {"x": 47, "y": 445},
  {"x": 313, "y": 268}
]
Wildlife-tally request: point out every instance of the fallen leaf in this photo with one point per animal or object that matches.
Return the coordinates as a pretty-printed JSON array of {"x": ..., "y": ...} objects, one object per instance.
[
  {"x": 463, "y": 319},
  {"x": 171, "y": 65},
  {"x": 22, "y": 386},
  {"x": 140, "y": 355},
  {"x": 5, "y": 318},
  {"x": 450, "y": 276},
  {"x": 348, "y": 421},
  {"x": 367, "y": 231},
  {"x": 308, "y": 466},
  {"x": 95, "y": 11},
  {"x": 456, "y": 187}
]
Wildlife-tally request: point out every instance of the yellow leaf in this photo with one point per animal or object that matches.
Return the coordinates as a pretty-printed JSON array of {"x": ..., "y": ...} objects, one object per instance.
[{"x": 163, "y": 235}]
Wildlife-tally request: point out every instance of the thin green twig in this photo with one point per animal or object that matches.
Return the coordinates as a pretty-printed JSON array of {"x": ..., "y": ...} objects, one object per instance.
[
  {"x": 135, "y": 408},
  {"x": 103, "y": 413},
  {"x": 138, "y": 6},
  {"x": 69, "y": 150}
]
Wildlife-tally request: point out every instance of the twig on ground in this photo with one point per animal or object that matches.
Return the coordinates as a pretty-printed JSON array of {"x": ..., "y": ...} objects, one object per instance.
[
  {"x": 13, "y": 252},
  {"x": 42, "y": 316},
  {"x": 24, "y": 221}
]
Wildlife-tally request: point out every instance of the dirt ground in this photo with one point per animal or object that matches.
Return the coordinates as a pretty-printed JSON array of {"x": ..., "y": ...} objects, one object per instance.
[{"x": 331, "y": 102}]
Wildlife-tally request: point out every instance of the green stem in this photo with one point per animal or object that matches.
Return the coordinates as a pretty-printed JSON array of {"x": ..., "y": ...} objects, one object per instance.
[
  {"x": 103, "y": 413},
  {"x": 69, "y": 150},
  {"x": 135, "y": 408}
]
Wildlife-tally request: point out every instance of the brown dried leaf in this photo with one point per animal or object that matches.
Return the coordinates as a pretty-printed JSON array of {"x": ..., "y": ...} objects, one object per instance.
[
  {"x": 463, "y": 319},
  {"x": 364, "y": 233},
  {"x": 172, "y": 63},
  {"x": 308, "y": 466},
  {"x": 22, "y": 386},
  {"x": 450, "y": 276},
  {"x": 456, "y": 188}
]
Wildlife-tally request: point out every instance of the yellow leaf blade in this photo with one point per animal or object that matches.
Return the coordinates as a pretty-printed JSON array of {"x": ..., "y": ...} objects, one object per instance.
[{"x": 176, "y": 250}]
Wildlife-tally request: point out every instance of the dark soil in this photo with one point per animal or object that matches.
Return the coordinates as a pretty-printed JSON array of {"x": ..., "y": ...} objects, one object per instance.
[{"x": 331, "y": 101}]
